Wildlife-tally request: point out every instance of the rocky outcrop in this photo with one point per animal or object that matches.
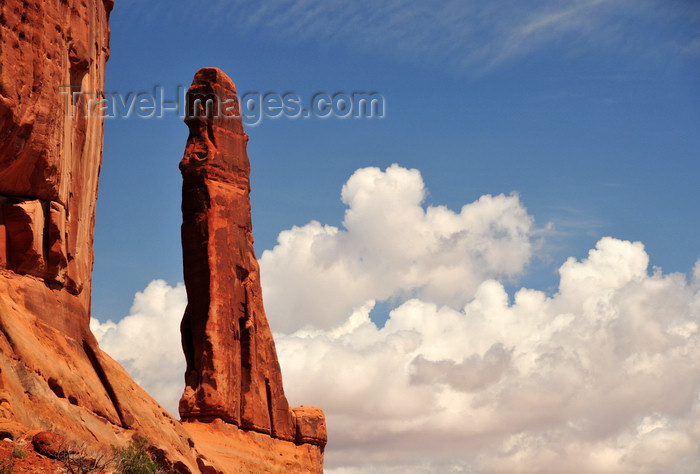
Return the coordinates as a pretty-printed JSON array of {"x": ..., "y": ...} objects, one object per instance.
[
  {"x": 223, "y": 447},
  {"x": 53, "y": 62},
  {"x": 310, "y": 424},
  {"x": 232, "y": 368},
  {"x": 53, "y": 375},
  {"x": 49, "y": 444}
]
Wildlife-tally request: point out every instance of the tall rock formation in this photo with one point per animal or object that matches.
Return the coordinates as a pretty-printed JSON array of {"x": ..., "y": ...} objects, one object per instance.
[
  {"x": 53, "y": 375},
  {"x": 232, "y": 368}
]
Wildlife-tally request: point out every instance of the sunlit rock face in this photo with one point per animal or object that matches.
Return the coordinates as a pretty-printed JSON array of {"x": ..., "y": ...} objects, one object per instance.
[
  {"x": 232, "y": 368},
  {"x": 53, "y": 375},
  {"x": 53, "y": 66}
]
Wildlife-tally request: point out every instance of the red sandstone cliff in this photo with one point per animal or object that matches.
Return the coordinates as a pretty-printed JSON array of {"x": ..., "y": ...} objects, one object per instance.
[
  {"x": 53, "y": 376},
  {"x": 50, "y": 152}
]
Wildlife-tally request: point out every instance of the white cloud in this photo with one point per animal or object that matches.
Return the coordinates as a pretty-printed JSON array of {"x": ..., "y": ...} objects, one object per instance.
[
  {"x": 391, "y": 248},
  {"x": 147, "y": 341},
  {"x": 601, "y": 376}
]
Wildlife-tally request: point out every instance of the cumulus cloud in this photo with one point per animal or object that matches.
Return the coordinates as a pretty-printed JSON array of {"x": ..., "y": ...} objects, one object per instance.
[
  {"x": 147, "y": 341},
  {"x": 600, "y": 376},
  {"x": 392, "y": 248}
]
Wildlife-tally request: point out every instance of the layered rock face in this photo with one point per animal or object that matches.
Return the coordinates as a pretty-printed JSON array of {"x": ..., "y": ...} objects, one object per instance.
[
  {"x": 53, "y": 375},
  {"x": 53, "y": 62},
  {"x": 232, "y": 368}
]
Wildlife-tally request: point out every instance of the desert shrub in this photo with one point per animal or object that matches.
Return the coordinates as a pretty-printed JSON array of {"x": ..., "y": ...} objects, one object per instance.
[
  {"x": 77, "y": 458},
  {"x": 17, "y": 453},
  {"x": 134, "y": 459}
]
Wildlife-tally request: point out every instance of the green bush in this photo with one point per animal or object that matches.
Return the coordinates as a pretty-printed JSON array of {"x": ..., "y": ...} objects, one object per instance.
[
  {"x": 18, "y": 453},
  {"x": 134, "y": 459}
]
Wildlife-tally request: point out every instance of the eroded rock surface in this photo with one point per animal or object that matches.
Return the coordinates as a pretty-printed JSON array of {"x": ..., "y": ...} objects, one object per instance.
[
  {"x": 53, "y": 375},
  {"x": 53, "y": 63},
  {"x": 232, "y": 368}
]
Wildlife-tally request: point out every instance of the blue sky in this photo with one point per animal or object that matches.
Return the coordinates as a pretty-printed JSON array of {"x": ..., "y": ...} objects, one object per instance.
[
  {"x": 588, "y": 110},
  {"x": 594, "y": 122}
]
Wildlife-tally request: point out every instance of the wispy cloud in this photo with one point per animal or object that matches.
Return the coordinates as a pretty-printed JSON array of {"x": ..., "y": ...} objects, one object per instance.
[{"x": 458, "y": 34}]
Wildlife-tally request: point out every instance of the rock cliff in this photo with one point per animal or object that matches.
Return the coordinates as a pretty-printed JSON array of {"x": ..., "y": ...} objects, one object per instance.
[
  {"x": 53, "y": 63},
  {"x": 53, "y": 375}
]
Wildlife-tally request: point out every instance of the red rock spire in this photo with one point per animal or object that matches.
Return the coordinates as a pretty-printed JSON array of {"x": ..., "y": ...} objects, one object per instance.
[
  {"x": 53, "y": 375},
  {"x": 232, "y": 368}
]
